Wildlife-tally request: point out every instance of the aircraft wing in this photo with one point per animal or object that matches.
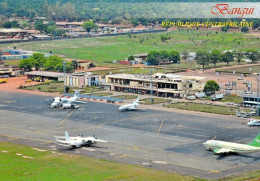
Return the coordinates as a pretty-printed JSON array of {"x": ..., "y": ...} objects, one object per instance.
[{"x": 222, "y": 151}]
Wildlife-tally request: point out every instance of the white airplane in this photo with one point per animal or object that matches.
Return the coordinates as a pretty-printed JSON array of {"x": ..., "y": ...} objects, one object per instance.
[
  {"x": 66, "y": 103},
  {"x": 77, "y": 141},
  {"x": 223, "y": 147},
  {"x": 130, "y": 107},
  {"x": 253, "y": 122}
]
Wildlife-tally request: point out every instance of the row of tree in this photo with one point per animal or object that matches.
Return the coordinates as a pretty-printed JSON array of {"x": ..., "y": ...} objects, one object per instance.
[
  {"x": 101, "y": 11},
  {"x": 51, "y": 63},
  {"x": 161, "y": 57},
  {"x": 204, "y": 58}
]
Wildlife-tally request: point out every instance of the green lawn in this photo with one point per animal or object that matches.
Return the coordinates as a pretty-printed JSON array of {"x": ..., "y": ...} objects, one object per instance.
[
  {"x": 59, "y": 87},
  {"x": 230, "y": 98},
  {"x": 134, "y": 70},
  {"x": 103, "y": 94},
  {"x": 243, "y": 70},
  {"x": 47, "y": 87},
  {"x": 224, "y": 110},
  {"x": 60, "y": 166},
  {"x": 12, "y": 62},
  {"x": 155, "y": 101},
  {"x": 126, "y": 97},
  {"x": 106, "y": 49}
]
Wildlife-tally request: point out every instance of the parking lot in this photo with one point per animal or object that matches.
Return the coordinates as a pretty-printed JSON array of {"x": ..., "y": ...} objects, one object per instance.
[{"x": 170, "y": 141}]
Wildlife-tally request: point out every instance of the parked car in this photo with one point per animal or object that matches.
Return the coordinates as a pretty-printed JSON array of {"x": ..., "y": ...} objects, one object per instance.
[
  {"x": 240, "y": 78},
  {"x": 246, "y": 82},
  {"x": 246, "y": 115},
  {"x": 228, "y": 88},
  {"x": 228, "y": 84},
  {"x": 248, "y": 92},
  {"x": 191, "y": 97}
]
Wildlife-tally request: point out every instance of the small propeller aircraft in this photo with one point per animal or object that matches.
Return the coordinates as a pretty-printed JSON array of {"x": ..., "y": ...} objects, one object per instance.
[
  {"x": 130, "y": 107},
  {"x": 66, "y": 103},
  {"x": 223, "y": 147},
  {"x": 77, "y": 141}
]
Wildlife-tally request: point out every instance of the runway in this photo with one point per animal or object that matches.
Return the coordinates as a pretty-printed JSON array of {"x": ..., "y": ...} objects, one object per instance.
[{"x": 170, "y": 141}]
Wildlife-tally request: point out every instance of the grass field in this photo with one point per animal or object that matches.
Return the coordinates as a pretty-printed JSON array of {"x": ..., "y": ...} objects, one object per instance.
[
  {"x": 230, "y": 98},
  {"x": 143, "y": 70},
  {"x": 103, "y": 94},
  {"x": 243, "y": 70},
  {"x": 155, "y": 101},
  {"x": 224, "y": 110},
  {"x": 45, "y": 165},
  {"x": 126, "y": 97},
  {"x": 106, "y": 49},
  {"x": 59, "y": 87}
]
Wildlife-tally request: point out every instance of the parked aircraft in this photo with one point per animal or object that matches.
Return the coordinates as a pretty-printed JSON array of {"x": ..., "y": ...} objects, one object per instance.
[
  {"x": 77, "y": 141},
  {"x": 130, "y": 107},
  {"x": 66, "y": 103},
  {"x": 223, "y": 147}
]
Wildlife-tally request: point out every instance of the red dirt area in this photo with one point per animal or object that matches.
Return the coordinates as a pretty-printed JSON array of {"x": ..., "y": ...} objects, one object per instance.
[{"x": 15, "y": 82}]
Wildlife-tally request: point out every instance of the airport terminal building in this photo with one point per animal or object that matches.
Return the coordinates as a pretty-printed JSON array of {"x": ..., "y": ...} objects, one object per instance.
[{"x": 163, "y": 85}]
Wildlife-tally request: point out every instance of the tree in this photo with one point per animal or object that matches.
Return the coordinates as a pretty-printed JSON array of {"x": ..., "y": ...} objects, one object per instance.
[
  {"x": 26, "y": 64},
  {"x": 53, "y": 63},
  {"x": 74, "y": 64},
  {"x": 131, "y": 57},
  {"x": 253, "y": 55},
  {"x": 88, "y": 25},
  {"x": 244, "y": 29},
  {"x": 185, "y": 54},
  {"x": 239, "y": 55},
  {"x": 165, "y": 37},
  {"x": 38, "y": 25},
  {"x": 211, "y": 86},
  {"x": 227, "y": 57},
  {"x": 174, "y": 56},
  {"x": 38, "y": 60},
  {"x": 215, "y": 57},
  {"x": 153, "y": 57},
  {"x": 135, "y": 22},
  {"x": 225, "y": 29},
  {"x": 11, "y": 24},
  {"x": 202, "y": 58}
]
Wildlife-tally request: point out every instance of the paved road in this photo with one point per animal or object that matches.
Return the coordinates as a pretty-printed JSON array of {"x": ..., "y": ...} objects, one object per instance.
[{"x": 170, "y": 141}]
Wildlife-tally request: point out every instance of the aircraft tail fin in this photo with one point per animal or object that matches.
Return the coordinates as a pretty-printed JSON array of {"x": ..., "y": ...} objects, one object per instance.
[
  {"x": 67, "y": 137},
  {"x": 136, "y": 102},
  {"x": 256, "y": 141},
  {"x": 76, "y": 95}
]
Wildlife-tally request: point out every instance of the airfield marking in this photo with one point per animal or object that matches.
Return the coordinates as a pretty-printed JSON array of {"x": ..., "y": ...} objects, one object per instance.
[
  {"x": 8, "y": 102},
  {"x": 158, "y": 132},
  {"x": 102, "y": 124},
  {"x": 32, "y": 139},
  {"x": 62, "y": 122}
]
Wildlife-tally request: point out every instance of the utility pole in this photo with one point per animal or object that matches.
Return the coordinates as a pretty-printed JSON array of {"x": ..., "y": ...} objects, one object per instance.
[
  {"x": 64, "y": 70},
  {"x": 257, "y": 107},
  {"x": 151, "y": 85}
]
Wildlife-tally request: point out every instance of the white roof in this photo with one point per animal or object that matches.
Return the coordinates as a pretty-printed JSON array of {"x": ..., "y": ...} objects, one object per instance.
[{"x": 45, "y": 73}]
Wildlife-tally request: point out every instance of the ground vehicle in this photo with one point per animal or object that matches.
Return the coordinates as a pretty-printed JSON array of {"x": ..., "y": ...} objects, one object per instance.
[
  {"x": 3, "y": 81},
  {"x": 228, "y": 84},
  {"x": 28, "y": 80},
  {"x": 200, "y": 95},
  {"x": 38, "y": 79},
  {"x": 240, "y": 78},
  {"x": 253, "y": 122},
  {"x": 191, "y": 97},
  {"x": 228, "y": 88},
  {"x": 217, "y": 97},
  {"x": 248, "y": 92}
]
